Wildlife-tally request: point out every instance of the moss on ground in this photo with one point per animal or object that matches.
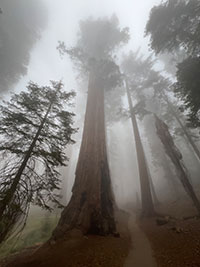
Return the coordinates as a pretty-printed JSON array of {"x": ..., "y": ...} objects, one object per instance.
[{"x": 38, "y": 229}]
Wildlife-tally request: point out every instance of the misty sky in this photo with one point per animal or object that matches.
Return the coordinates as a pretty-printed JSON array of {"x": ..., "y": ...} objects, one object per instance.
[{"x": 64, "y": 17}]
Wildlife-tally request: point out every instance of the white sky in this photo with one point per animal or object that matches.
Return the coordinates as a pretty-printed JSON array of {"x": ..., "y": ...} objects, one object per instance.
[{"x": 64, "y": 17}]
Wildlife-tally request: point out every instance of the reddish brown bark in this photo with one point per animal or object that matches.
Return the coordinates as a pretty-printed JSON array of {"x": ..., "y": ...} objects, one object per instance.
[
  {"x": 91, "y": 206},
  {"x": 183, "y": 127},
  {"x": 176, "y": 157}
]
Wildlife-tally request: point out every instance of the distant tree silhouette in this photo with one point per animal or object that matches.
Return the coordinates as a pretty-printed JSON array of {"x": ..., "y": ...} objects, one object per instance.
[{"x": 21, "y": 23}]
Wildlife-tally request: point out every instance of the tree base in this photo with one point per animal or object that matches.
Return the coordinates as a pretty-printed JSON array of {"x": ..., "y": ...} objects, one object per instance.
[{"x": 88, "y": 219}]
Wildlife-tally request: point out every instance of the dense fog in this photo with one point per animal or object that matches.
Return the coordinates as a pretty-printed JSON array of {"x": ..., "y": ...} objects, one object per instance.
[{"x": 66, "y": 145}]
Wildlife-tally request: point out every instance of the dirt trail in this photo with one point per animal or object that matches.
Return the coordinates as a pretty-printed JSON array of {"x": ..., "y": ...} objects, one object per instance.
[{"x": 141, "y": 253}]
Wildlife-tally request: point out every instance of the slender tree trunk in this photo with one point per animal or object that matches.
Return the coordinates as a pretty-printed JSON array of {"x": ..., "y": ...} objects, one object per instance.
[
  {"x": 176, "y": 157},
  {"x": 4, "y": 204},
  {"x": 146, "y": 197},
  {"x": 12, "y": 189},
  {"x": 185, "y": 131},
  {"x": 153, "y": 191},
  {"x": 173, "y": 184},
  {"x": 91, "y": 206}
]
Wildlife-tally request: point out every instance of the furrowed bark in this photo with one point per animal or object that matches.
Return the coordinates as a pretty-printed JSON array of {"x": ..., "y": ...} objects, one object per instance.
[
  {"x": 176, "y": 157},
  {"x": 91, "y": 208},
  {"x": 184, "y": 129}
]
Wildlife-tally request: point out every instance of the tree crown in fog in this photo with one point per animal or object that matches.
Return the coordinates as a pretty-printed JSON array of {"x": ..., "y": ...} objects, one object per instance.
[{"x": 99, "y": 38}]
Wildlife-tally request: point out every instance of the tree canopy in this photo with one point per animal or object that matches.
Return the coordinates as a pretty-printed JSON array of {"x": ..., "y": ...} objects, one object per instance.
[
  {"x": 188, "y": 87},
  {"x": 99, "y": 38},
  {"x": 95, "y": 49},
  {"x": 174, "y": 27},
  {"x": 175, "y": 24}
]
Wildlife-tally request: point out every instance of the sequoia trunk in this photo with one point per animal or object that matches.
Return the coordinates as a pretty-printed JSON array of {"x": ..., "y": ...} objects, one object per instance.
[
  {"x": 91, "y": 206},
  {"x": 183, "y": 127},
  {"x": 176, "y": 157},
  {"x": 146, "y": 196}
]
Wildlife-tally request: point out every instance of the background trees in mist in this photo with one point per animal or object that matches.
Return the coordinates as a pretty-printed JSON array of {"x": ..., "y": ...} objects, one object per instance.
[
  {"x": 151, "y": 90},
  {"x": 174, "y": 27},
  {"x": 21, "y": 23},
  {"x": 144, "y": 176}
]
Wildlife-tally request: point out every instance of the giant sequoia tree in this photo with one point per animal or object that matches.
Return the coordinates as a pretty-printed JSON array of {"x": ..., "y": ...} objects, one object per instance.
[{"x": 91, "y": 207}]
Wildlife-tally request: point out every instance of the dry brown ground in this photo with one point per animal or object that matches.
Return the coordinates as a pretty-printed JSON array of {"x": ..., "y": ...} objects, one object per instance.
[
  {"x": 76, "y": 250},
  {"x": 177, "y": 243},
  {"x": 172, "y": 248},
  {"x": 92, "y": 251}
]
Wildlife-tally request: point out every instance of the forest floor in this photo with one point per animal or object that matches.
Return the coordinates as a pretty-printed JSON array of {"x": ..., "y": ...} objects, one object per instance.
[
  {"x": 142, "y": 243},
  {"x": 76, "y": 250},
  {"x": 176, "y": 243}
]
